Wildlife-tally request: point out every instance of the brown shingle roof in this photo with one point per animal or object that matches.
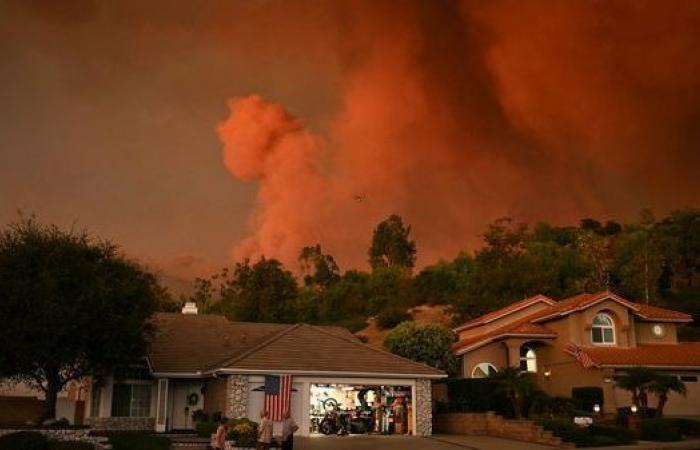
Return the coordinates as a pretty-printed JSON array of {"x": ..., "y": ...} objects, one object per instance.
[
  {"x": 683, "y": 354},
  {"x": 311, "y": 349},
  {"x": 192, "y": 344}
]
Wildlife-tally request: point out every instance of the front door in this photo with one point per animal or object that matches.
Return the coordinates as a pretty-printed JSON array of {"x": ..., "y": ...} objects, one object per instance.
[{"x": 186, "y": 398}]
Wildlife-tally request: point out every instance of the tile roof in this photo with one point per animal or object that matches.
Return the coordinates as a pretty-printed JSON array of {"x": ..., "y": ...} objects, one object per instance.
[
  {"x": 193, "y": 344},
  {"x": 514, "y": 307},
  {"x": 523, "y": 327},
  {"x": 307, "y": 348},
  {"x": 532, "y": 324},
  {"x": 683, "y": 354}
]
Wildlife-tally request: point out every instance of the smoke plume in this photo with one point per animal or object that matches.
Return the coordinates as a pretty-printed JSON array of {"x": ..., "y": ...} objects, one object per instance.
[{"x": 454, "y": 114}]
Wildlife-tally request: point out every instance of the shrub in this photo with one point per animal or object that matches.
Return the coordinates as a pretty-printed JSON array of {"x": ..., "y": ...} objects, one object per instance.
[
  {"x": 659, "y": 430},
  {"x": 243, "y": 431},
  {"x": 389, "y": 318},
  {"x": 568, "y": 431},
  {"x": 687, "y": 427},
  {"x": 206, "y": 429},
  {"x": 477, "y": 395},
  {"x": 619, "y": 434},
  {"x": 133, "y": 440},
  {"x": 354, "y": 324},
  {"x": 585, "y": 397},
  {"x": 24, "y": 440}
]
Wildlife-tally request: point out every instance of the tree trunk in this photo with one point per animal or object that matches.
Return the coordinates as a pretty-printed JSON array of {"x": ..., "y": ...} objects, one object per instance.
[
  {"x": 53, "y": 386},
  {"x": 663, "y": 398}
]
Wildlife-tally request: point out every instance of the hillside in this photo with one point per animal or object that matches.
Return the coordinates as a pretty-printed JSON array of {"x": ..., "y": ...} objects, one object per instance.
[{"x": 423, "y": 314}]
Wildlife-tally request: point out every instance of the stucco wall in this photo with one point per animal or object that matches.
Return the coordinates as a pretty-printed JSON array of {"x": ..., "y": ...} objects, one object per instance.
[
  {"x": 215, "y": 396},
  {"x": 494, "y": 353},
  {"x": 645, "y": 335}
]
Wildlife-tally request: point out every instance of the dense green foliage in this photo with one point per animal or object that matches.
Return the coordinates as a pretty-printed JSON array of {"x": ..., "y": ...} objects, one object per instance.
[
  {"x": 429, "y": 344},
  {"x": 596, "y": 435},
  {"x": 136, "y": 440},
  {"x": 659, "y": 430},
  {"x": 206, "y": 428},
  {"x": 519, "y": 387},
  {"x": 476, "y": 395},
  {"x": 243, "y": 431},
  {"x": 654, "y": 261},
  {"x": 389, "y": 318},
  {"x": 58, "y": 287},
  {"x": 585, "y": 398}
]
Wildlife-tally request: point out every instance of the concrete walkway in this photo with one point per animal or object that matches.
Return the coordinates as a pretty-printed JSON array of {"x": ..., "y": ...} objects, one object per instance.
[{"x": 358, "y": 442}]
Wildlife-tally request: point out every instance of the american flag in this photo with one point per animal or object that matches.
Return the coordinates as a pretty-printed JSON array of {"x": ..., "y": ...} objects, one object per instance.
[
  {"x": 278, "y": 395},
  {"x": 582, "y": 357}
]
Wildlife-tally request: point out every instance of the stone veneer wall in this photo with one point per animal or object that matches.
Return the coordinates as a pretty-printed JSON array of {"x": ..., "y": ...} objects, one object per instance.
[
  {"x": 122, "y": 423},
  {"x": 237, "y": 396},
  {"x": 423, "y": 406},
  {"x": 490, "y": 424},
  {"x": 67, "y": 434}
]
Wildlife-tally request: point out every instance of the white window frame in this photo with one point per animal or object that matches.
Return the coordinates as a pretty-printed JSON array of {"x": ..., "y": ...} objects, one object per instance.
[
  {"x": 527, "y": 359},
  {"x": 488, "y": 366},
  {"x": 603, "y": 328}
]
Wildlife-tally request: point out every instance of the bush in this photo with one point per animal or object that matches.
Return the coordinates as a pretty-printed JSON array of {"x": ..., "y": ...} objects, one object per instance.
[
  {"x": 206, "y": 429},
  {"x": 585, "y": 397},
  {"x": 354, "y": 324},
  {"x": 477, "y": 395},
  {"x": 133, "y": 440},
  {"x": 687, "y": 427},
  {"x": 619, "y": 434},
  {"x": 24, "y": 440},
  {"x": 243, "y": 431},
  {"x": 659, "y": 430},
  {"x": 568, "y": 431},
  {"x": 389, "y": 318}
]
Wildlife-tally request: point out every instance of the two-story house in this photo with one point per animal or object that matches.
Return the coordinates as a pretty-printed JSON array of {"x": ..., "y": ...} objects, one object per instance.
[{"x": 585, "y": 340}]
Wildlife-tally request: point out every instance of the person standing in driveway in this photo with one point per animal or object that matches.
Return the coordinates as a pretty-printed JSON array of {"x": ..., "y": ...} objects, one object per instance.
[
  {"x": 289, "y": 427},
  {"x": 264, "y": 431}
]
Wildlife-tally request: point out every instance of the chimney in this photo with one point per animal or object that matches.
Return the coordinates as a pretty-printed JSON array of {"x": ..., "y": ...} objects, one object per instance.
[{"x": 190, "y": 308}]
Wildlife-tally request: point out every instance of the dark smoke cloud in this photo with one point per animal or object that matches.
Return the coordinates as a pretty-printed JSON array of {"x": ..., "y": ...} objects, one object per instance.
[{"x": 456, "y": 114}]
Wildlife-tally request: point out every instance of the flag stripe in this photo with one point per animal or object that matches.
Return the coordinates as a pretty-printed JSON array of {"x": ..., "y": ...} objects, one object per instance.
[{"x": 278, "y": 403}]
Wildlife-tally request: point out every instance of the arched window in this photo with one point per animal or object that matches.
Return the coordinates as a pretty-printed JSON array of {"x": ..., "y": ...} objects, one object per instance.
[
  {"x": 483, "y": 370},
  {"x": 603, "y": 330},
  {"x": 528, "y": 359}
]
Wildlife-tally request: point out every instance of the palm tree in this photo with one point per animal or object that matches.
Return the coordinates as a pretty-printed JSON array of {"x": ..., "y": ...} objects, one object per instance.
[
  {"x": 662, "y": 386},
  {"x": 517, "y": 386},
  {"x": 637, "y": 380}
]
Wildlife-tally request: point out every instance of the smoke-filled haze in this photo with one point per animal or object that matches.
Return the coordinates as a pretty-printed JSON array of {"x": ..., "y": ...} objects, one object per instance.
[{"x": 197, "y": 132}]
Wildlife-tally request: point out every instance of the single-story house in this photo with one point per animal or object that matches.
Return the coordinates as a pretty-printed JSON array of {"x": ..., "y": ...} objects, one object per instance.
[
  {"x": 206, "y": 362},
  {"x": 585, "y": 340}
]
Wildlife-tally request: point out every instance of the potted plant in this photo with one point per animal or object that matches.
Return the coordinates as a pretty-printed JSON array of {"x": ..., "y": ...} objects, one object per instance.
[{"x": 243, "y": 433}]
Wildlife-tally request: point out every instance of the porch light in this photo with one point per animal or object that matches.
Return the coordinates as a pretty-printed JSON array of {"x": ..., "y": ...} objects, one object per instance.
[
  {"x": 633, "y": 408},
  {"x": 547, "y": 373},
  {"x": 596, "y": 408}
]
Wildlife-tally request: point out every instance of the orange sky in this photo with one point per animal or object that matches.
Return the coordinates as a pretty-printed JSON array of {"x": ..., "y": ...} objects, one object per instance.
[{"x": 195, "y": 132}]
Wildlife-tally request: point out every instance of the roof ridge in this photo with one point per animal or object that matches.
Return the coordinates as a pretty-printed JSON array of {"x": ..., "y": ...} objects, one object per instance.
[
  {"x": 367, "y": 346},
  {"x": 257, "y": 347}
]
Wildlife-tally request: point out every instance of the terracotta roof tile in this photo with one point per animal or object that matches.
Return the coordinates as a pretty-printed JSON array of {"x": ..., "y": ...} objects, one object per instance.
[
  {"x": 493, "y": 315},
  {"x": 523, "y": 327},
  {"x": 683, "y": 354},
  {"x": 654, "y": 312}
]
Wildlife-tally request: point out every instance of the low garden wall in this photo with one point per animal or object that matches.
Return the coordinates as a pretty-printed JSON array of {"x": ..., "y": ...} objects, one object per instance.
[
  {"x": 64, "y": 434},
  {"x": 491, "y": 424}
]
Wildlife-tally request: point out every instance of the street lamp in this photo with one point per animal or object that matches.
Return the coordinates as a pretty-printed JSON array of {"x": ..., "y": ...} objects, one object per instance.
[{"x": 596, "y": 408}]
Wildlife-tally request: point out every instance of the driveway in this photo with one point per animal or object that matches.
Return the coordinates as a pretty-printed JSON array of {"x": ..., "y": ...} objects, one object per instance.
[{"x": 359, "y": 442}]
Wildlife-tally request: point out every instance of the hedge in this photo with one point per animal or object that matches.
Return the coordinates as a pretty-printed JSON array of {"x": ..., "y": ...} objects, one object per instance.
[
  {"x": 134, "y": 440},
  {"x": 592, "y": 436},
  {"x": 33, "y": 440},
  {"x": 477, "y": 395}
]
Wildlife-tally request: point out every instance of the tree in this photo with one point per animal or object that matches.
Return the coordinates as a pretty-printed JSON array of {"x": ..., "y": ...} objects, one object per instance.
[
  {"x": 320, "y": 269},
  {"x": 70, "y": 306},
  {"x": 392, "y": 246},
  {"x": 637, "y": 380},
  {"x": 516, "y": 385},
  {"x": 428, "y": 344},
  {"x": 262, "y": 292},
  {"x": 661, "y": 386}
]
